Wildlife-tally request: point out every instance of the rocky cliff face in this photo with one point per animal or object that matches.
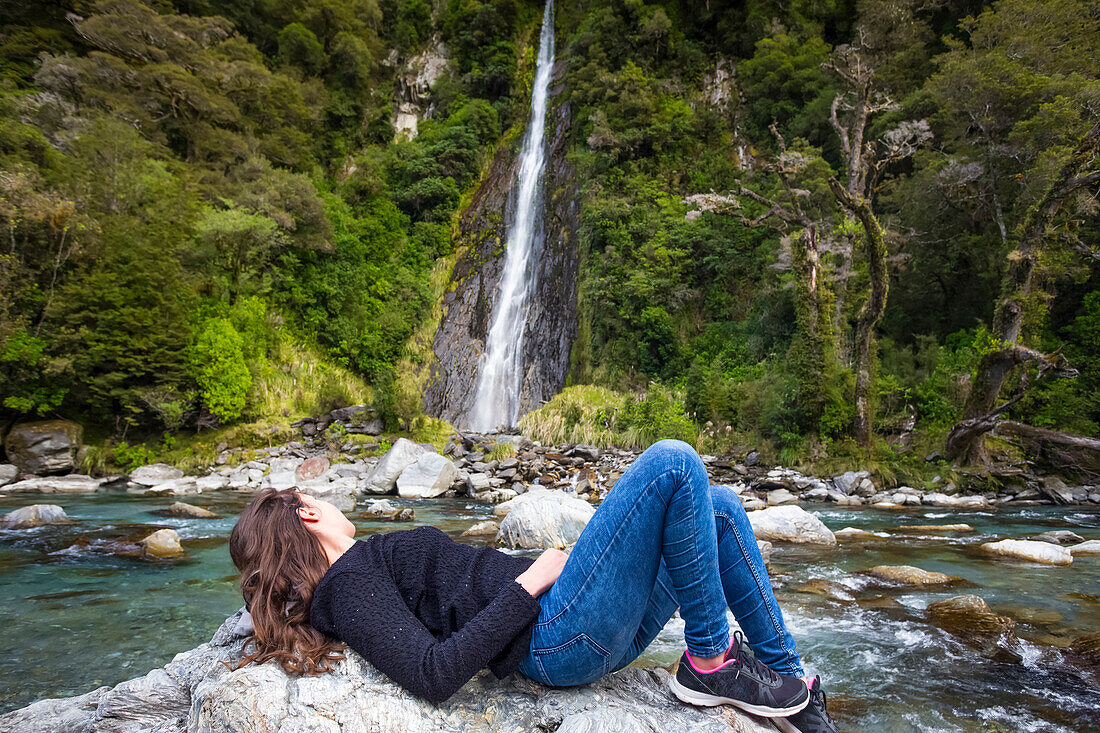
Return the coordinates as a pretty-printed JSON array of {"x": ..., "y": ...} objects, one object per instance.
[{"x": 469, "y": 300}]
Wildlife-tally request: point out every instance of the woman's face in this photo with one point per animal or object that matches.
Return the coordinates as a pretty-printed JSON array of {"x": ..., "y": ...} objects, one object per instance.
[{"x": 322, "y": 518}]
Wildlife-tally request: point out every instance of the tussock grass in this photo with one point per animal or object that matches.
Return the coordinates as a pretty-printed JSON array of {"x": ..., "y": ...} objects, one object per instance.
[
  {"x": 578, "y": 414},
  {"x": 297, "y": 381},
  {"x": 500, "y": 451}
]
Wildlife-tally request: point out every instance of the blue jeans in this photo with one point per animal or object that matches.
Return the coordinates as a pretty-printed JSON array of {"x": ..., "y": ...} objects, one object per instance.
[{"x": 662, "y": 538}]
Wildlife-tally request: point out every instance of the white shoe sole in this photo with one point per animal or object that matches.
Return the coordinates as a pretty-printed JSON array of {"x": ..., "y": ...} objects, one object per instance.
[{"x": 692, "y": 697}]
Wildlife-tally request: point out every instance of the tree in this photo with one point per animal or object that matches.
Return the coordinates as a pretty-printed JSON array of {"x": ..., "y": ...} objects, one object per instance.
[
  {"x": 240, "y": 245},
  {"x": 1021, "y": 285},
  {"x": 790, "y": 210},
  {"x": 861, "y": 98}
]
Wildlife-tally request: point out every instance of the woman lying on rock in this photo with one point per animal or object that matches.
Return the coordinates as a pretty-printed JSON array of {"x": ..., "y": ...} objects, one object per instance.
[{"x": 430, "y": 612}]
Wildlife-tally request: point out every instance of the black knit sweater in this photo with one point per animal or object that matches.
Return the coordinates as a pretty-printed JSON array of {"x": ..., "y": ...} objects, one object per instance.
[{"x": 427, "y": 611}]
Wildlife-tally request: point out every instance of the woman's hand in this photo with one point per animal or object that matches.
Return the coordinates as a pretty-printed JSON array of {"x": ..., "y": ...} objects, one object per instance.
[{"x": 542, "y": 573}]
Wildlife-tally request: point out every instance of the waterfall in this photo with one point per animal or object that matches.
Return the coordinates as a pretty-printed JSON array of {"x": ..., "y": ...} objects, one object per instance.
[{"x": 500, "y": 372}]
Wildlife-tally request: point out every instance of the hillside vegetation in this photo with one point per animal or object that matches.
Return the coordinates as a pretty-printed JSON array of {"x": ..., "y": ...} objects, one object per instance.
[{"x": 831, "y": 231}]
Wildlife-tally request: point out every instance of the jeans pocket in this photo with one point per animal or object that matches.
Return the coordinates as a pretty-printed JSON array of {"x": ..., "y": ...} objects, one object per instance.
[{"x": 576, "y": 662}]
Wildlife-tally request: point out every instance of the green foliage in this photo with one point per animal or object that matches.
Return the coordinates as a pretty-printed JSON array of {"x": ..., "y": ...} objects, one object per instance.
[
  {"x": 785, "y": 83},
  {"x": 299, "y": 47},
  {"x": 127, "y": 457},
  {"x": 222, "y": 376},
  {"x": 658, "y": 414},
  {"x": 225, "y": 177}
]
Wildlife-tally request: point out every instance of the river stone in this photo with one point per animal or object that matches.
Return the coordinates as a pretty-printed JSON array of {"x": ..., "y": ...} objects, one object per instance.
[
  {"x": 154, "y": 473},
  {"x": 195, "y": 691},
  {"x": 790, "y": 523},
  {"x": 431, "y": 475},
  {"x": 962, "y": 502},
  {"x": 312, "y": 468},
  {"x": 781, "y": 496},
  {"x": 9, "y": 474},
  {"x": 184, "y": 486},
  {"x": 487, "y": 527},
  {"x": 910, "y": 575},
  {"x": 825, "y": 588},
  {"x": 477, "y": 482},
  {"x": 935, "y": 528},
  {"x": 1091, "y": 547},
  {"x": 211, "y": 482},
  {"x": 74, "y": 483},
  {"x": 852, "y": 533},
  {"x": 751, "y": 503},
  {"x": 383, "y": 479},
  {"x": 1040, "y": 552},
  {"x": 33, "y": 516},
  {"x": 384, "y": 509},
  {"x": 44, "y": 446},
  {"x": 1054, "y": 488},
  {"x": 1059, "y": 537},
  {"x": 340, "y": 493},
  {"x": 849, "y": 480},
  {"x": 182, "y": 509},
  {"x": 543, "y": 519},
  {"x": 162, "y": 543},
  {"x": 1088, "y": 648},
  {"x": 587, "y": 452},
  {"x": 968, "y": 615},
  {"x": 280, "y": 480},
  {"x": 765, "y": 548}
]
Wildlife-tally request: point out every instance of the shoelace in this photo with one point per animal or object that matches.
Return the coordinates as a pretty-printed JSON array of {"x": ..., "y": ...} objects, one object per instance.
[
  {"x": 746, "y": 658},
  {"x": 818, "y": 692}
]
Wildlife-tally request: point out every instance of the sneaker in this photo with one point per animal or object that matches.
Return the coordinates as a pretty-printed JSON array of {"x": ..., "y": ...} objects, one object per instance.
[
  {"x": 741, "y": 680},
  {"x": 811, "y": 719}
]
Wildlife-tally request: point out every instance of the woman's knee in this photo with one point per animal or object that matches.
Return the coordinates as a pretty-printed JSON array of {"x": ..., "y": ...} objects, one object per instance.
[
  {"x": 726, "y": 501},
  {"x": 673, "y": 450}
]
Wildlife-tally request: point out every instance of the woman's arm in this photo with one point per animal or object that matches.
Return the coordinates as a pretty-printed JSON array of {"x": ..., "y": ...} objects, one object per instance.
[{"x": 372, "y": 618}]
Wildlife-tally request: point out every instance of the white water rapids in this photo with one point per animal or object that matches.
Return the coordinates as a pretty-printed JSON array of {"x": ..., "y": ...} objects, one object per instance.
[{"x": 500, "y": 371}]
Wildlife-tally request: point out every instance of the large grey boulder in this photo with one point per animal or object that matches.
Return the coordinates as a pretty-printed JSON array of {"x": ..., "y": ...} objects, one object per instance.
[
  {"x": 383, "y": 479},
  {"x": 45, "y": 446},
  {"x": 196, "y": 692},
  {"x": 34, "y": 515},
  {"x": 542, "y": 518},
  {"x": 1054, "y": 488},
  {"x": 9, "y": 474},
  {"x": 154, "y": 474},
  {"x": 431, "y": 475},
  {"x": 790, "y": 523},
  {"x": 72, "y": 484},
  {"x": 851, "y": 481}
]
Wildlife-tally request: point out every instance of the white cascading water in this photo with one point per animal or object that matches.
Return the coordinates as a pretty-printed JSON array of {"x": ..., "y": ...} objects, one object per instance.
[{"x": 500, "y": 373}]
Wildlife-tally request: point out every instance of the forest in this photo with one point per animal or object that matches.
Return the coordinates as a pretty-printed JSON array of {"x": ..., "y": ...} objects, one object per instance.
[{"x": 861, "y": 233}]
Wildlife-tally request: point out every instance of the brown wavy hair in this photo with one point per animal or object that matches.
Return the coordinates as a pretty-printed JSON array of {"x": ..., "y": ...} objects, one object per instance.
[{"x": 281, "y": 562}]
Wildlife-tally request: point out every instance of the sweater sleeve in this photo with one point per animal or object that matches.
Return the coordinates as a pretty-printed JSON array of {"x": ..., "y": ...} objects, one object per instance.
[{"x": 371, "y": 617}]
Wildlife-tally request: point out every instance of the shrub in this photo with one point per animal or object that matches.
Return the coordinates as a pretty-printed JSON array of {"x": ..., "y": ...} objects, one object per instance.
[{"x": 220, "y": 370}]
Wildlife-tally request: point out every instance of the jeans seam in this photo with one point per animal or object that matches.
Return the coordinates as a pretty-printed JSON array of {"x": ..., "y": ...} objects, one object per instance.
[
  {"x": 695, "y": 556},
  {"x": 779, "y": 628},
  {"x": 611, "y": 541}
]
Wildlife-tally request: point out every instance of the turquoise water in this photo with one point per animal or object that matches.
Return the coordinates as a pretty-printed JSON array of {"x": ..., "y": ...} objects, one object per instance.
[{"x": 77, "y": 618}]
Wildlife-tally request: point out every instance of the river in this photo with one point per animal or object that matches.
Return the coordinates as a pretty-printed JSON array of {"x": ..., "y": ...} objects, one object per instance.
[{"x": 76, "y": 618}]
